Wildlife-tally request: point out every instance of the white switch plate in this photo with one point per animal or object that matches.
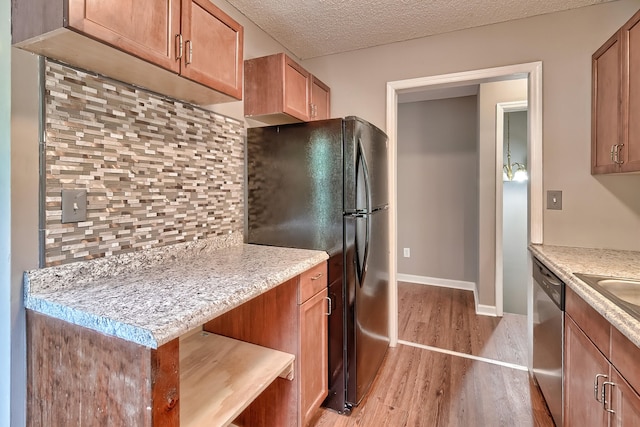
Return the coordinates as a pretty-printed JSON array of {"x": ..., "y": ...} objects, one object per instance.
[
  {"x": 407, "y": 252},
  {"x": 74, "y": 206}
]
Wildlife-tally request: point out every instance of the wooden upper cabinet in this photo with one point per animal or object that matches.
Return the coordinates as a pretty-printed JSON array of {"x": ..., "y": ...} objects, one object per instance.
[
  {"x": 144, "y": 28},
  {"x": 605, "y": 105},
  {"x": 296, "y": 94},
  {"x": 212, "y": 47},
  {"x": 187, "y": 49},
  {"x": 615, "y": 136},
  {"x": 278, "y": 90},
  {"x": 320, "y": 100},
  {"x": 630, "y": 35}
]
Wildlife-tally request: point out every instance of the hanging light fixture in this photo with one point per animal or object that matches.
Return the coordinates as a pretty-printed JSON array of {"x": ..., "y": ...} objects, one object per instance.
[{"x": 513, "y": 171}]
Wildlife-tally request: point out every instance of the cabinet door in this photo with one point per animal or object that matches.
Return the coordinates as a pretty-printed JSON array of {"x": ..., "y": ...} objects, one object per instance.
[
  {"x": 213, "y": 47},
  {"x": 296, "y": 90},
  {"x": 631, "y": 94},
  {"x": 314, "y": 373},
  {"x": 605, "y": 105},
  {"x": 583, "y": 362},
  {"x": 320, "y": 100},
  {"x": 144, "y": 28},
  {"x": 625, "y": 402}
]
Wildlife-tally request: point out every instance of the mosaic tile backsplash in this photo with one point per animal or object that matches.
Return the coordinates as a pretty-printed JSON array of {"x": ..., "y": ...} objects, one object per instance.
[{"x": 156, "y": 171}]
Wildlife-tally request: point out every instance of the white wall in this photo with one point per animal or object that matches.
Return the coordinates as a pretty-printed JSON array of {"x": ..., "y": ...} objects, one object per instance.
[
  {"x": 564, "y": 42},
  {"x": 437, "y": 191},
  {"x": 5, "y": 213},
  {"x": 25, "y": 104},
  {"x": 514, "y": 217}
]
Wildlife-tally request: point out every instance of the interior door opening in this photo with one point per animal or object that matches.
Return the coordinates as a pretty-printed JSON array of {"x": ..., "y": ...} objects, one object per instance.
[{"x": 533, "y": 73}]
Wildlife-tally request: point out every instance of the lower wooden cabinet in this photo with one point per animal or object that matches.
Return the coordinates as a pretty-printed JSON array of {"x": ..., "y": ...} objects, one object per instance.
[
  {"x": 313, "y": 355},
  {"x": 583, "y": 362},
  {"x": 596, "y": 391},
  {"x": 625, "y": 402},
  {"x": 291, "y": 318}
]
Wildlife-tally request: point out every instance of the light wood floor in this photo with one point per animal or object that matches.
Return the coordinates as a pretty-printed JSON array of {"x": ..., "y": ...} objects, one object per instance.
[
  {"x": 445, "y": 318},
  {"x": 419, "y": 387}
]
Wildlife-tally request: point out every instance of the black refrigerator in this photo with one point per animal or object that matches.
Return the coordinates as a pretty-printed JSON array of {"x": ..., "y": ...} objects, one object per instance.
[{"x": 324, "y": 185}]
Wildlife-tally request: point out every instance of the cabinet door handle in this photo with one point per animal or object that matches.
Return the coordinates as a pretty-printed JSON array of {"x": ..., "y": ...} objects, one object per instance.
[
  {"x": 189, "y": 52},
  {"x": 596, "y": 387},
  {"x": 612, "y": 153},
  {"x": 615, "y": 154},
  {"x": 179, "y": 46},
  {"x": 317, "y": 276},
  {"x": 604, "y": 396},
  {"x": 619, "y": 161},
  {"x": 330, "y": 306}
]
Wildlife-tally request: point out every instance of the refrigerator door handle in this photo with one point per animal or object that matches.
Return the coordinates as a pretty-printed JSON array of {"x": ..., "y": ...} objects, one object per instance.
[{"x": 361, "y": 160}]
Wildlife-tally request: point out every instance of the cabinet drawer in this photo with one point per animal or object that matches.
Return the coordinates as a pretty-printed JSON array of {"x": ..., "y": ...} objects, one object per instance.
[
  {"x": 312, "y": 281},
  {"x": 589, "y": 320},
  {"x": 625, "y": 356}
]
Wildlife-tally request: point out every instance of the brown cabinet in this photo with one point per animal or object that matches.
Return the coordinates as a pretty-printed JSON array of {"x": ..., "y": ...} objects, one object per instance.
[
  {"x": 600, "y": 364},
  {"x": 290, "y": 318},
  {"x": 320, "y": 103},
  {"x": 313, "y": 352},
  {"x": 278, "y": 90},
  {"x": 615, "y": 136},
  {"x": 213, "y": 45},
  {"x": 264, "y": 363},
  {"x": 188, "y": 49},
  {"x": 583, "y": 362}
]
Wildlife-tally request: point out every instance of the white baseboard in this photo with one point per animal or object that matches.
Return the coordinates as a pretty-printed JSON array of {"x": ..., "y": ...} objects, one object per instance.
[
  {"x": 434, "y": 281},
  {"x": 486, "y": 310},
  {"x": 481, "y": 309}
]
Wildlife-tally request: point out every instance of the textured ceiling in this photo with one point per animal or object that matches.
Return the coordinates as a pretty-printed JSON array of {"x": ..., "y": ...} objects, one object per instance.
[{"x": 311, "y": 28}]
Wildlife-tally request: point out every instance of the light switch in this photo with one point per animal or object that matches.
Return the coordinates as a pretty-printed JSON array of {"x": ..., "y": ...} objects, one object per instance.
[
  {"x": 74, "y": 206},
  {"x": 554, "y": 200}
]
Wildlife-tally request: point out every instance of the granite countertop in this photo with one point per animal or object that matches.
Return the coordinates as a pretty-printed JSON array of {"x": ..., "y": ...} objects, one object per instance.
[
  {"x": 153, "y": 296},
  {"x": 564, "y": 261}
]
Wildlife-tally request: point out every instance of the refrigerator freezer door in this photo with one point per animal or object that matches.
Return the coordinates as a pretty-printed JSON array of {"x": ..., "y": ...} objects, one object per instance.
[
  {"x": 367, "y": 301},
  {"x": 365, "y": 148}
]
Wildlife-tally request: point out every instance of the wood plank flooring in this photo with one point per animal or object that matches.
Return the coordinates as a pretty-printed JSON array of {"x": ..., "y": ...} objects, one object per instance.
[
  {"x": 446, "y": 318},
  {"x": 419, "y": 387}
]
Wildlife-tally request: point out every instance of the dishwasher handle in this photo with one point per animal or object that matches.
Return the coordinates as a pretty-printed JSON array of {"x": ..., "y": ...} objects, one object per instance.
[{"x": 549, "y": 283}]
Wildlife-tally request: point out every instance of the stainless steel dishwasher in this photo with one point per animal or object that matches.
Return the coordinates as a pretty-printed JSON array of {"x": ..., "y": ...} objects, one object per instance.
[{"x": 548, "y": 334}]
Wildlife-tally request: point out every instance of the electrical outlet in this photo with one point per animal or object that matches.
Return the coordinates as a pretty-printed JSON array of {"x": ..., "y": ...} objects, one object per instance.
[
  {"x": 407, "y": 252},
  {"x": 74, "y": 206},
  {"x": 554, "y": 200}
]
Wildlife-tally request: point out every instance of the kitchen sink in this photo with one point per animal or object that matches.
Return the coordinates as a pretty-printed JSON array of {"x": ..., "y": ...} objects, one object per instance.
[{"x": 625, "y": 293}]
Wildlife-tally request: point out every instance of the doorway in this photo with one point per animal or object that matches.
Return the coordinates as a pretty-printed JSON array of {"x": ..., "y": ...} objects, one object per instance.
[
  {"x": 511, "y": 208},
  {"x": 533, "y": 73}
]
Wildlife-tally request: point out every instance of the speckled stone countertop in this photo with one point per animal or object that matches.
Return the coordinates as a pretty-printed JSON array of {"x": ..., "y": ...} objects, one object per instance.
[
  {"x": 564, "y": 261},
  {"x": 151, "y": 297}
]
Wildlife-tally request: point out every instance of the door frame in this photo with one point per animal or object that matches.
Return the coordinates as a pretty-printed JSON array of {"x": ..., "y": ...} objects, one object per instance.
[
  {"x": 501, "y": 109},
  {"x": 533, "y": 72}
]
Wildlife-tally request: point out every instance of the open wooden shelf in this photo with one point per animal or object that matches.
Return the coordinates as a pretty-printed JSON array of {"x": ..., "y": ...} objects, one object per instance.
[{"x": 220, "y": 377}]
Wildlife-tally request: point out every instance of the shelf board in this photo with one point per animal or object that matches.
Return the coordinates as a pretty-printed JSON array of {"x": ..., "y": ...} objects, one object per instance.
[{"x": 220, "y": 377}]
